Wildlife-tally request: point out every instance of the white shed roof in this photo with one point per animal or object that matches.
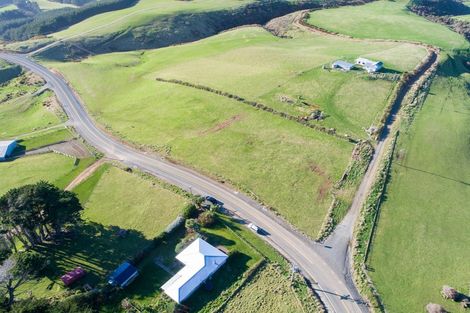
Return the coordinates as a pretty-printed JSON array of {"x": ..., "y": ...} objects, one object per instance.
[
  {"x": 4, "y": 147},
  {"x": 201, "y": 260}
]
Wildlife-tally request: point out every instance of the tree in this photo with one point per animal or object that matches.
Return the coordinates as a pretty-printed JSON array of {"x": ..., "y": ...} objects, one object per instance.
[
  {"x": 206, "y": 219},
  {"x": 31, "y": 212},
  {"x": 23, "y": 266},
  {"x": 192, "y": 225}
]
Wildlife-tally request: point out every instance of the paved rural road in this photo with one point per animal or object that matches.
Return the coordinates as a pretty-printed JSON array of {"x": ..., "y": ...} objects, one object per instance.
[{"x": 327, "y": 272}]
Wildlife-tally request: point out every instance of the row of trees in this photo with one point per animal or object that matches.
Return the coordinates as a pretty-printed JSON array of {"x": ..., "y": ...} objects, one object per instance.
[{"x": 34, "y": 213}]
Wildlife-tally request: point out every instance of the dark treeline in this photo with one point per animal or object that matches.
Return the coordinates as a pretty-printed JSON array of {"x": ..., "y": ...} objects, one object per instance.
[
  {"x": 75, "y": 2},
  {"x": 22, "y": 25},
  {"x": 439, "y": 7}
]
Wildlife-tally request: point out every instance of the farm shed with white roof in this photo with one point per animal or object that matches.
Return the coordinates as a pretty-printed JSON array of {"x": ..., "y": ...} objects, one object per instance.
[{"x": 6, "y": 148}]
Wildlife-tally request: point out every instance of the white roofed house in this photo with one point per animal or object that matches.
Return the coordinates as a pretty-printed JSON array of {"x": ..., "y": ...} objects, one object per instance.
[
  {"x": 6, "y": 149},
  {"x": 370, "y": 66},
  {"x": 201, "y": 260}
]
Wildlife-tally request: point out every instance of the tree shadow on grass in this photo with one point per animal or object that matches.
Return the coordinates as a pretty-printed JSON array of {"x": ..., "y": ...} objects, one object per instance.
[{"x": 95, "y": 248}]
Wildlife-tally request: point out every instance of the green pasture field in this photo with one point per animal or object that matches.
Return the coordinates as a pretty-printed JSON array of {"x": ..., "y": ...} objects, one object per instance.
[
  {"x": 465, "y": 18},
  {"x": 46, "y": 5},
  {"x": 26, "y": 114},
  {"x": 260, "y": 153},
  {"x": 386, "y": 20},
  {"x": 143, "y": 13},
  {"x": 423, "y": 226},
  {"x": 258, "y": 66},
  {"x": 269, "y": 291},
  {"x": 44, "y": 138},
  {"x": 131, "y": 202},
  {"x": 9, "y": 7},
  {"x": 52, "y": 167}
]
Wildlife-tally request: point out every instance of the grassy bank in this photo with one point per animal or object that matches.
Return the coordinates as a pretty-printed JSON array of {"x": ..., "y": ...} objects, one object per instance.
[
  {"x": 422, "y": 226},
  {"x": 386, "y": 20}
]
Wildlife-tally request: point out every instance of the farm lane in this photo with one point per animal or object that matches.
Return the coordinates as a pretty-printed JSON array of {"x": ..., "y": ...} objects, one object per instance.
[{"x": 332, "y": 285}]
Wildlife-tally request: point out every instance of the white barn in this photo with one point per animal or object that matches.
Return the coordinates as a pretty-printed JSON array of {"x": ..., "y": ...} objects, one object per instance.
[
  {"x": 201, "y": 260},
  {"x": 6, "y": 149},
  {"x": 370, "y": 66}
]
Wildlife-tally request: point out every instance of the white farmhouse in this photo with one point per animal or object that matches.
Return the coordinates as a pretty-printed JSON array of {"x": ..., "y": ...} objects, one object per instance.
[
  {"x": 370, "y": 66},
  {"x": 201, "y": 260}
]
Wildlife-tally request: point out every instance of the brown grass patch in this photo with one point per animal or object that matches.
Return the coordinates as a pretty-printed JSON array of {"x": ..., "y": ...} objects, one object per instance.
[
  {"x": 326, "y": 185},
  {"x": 222, "y": 125}
]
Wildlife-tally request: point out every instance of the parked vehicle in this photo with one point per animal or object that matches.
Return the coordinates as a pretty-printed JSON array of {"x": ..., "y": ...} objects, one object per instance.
[
  {"x": 254, "y": 228},
  {"x": 214, "y": 201}
]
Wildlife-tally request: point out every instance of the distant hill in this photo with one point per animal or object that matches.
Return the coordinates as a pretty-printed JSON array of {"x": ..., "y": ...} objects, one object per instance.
[
  {"x": 439, "y": 7},
  {"x": 29, "y": 21}
]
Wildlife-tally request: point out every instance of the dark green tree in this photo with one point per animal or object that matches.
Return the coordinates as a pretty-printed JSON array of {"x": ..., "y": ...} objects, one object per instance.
[{"x": 23, "y": 266}]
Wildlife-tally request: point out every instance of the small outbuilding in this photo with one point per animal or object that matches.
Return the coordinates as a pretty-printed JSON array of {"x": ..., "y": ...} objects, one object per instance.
[
  {"x": 201, "y": 260},
  {"x": 6, "y": 149},
  {"x": 369, "y": 65},
  {"x": 342, "y": 65},
  {"x": 123, "y": 275},
  {"x": 72, "y": 276}
]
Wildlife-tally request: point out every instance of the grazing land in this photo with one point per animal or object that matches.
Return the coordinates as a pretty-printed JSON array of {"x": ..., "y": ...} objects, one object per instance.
[
  {"x": 386, "y": 20},
  {"x": 51, "y": 167},
  {"x": 423, "y": 223},
  {"x": 46, "y": 5},
  {"x": 145, "y": 12},
  {"x": 269, "y": 291},
  {"x": 119, "y": 198},
  {"x": 290, "y": 167},
  {"x": 26, "y": 114},
  {"x": 285, "y": 74}
]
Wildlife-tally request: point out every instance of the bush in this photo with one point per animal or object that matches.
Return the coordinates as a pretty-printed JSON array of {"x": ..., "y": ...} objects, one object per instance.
[
  {"x": 206, "y": 219},
  {"x": 190, "y": 211},
  {"x": 192, "y": 225}
]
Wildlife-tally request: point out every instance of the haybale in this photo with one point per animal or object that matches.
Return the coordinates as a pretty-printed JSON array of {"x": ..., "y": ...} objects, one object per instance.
[
  {"x": 450, "y": 293},
  {"x": 435, "y": 308}
]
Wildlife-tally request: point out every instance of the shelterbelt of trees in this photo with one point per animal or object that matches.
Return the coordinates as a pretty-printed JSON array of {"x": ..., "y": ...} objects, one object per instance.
[{"x": 29, "y": 21}]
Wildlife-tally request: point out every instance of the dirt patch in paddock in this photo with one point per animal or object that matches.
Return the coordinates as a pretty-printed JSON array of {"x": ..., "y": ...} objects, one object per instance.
[
  {"x": 223, "y": 125},
  {"x": 326, "y": 185}
]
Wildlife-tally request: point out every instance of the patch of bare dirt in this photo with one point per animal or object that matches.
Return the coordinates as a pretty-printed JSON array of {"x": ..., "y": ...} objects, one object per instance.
[
  {"x": 223, "y": 125},
  {"x": 85, "y": 174},
  {"x": 326, "y": 185}
]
